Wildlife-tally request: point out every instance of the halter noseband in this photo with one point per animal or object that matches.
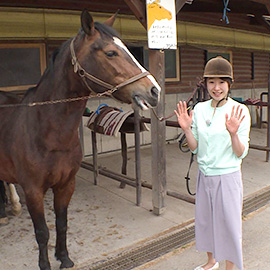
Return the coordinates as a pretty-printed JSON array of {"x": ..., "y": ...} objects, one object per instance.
[{"x": 84, "y": 74}]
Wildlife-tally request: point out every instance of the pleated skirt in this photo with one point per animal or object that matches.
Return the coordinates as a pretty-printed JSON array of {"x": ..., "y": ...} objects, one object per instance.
[{"x": 218, "y": 216}]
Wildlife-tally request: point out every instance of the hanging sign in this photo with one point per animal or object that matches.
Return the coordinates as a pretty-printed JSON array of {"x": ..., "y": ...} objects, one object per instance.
[{"x": 161, "y": 24}]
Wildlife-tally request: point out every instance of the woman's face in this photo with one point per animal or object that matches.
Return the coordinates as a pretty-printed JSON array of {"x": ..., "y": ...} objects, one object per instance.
[{"x": 217, "y": 88}]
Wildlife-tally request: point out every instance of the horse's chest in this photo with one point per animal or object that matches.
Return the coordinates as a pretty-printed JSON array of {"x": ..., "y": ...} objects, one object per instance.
[
  {"x": 64, "y": 162},
  {"x": 59, "y": 170},
  {"x": 53, "y": 166}
]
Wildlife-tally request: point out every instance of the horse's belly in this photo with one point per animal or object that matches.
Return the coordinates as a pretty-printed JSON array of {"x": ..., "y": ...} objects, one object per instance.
[{"x": 7, "y": 172}]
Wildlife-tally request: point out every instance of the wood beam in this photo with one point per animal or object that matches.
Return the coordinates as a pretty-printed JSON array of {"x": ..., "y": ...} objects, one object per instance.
[
  {"x": 266, "y": 3},
  {"x": 178, "y": 5},
  {"x": 236, "y": 6},
  {"x": 139, "y": 10},
  {"x": 262, "y": 21},
  {"x": 158, "y": 135}
]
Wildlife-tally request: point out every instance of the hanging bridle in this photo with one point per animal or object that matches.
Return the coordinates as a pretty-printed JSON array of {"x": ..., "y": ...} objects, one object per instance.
[{"x": 85, "y": 75}]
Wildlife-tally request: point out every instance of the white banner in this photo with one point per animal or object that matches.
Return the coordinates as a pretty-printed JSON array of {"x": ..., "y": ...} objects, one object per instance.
[{"x": 161, "y": 24}]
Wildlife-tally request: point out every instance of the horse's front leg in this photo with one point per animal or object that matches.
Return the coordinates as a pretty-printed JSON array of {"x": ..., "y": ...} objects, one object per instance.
[
  {"x": 35, "y": 204},
  {"x": 62, "y": 196}
]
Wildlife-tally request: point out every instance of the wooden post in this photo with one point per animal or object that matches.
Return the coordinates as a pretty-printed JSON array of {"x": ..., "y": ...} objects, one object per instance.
[
  {"x": 137, "y": 155},
  {"x": 158, "y": 135},
  {"x": 94, "y": 150},
  {"x": 268, "y": 119},
  {"x": 81, "y": 137},
  {"x": 157, "y": 68},
  {"x": 124, "y": 156}
]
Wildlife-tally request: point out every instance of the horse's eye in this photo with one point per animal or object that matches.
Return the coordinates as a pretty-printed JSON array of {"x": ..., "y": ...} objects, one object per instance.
[{"x": 111, "y": 53}]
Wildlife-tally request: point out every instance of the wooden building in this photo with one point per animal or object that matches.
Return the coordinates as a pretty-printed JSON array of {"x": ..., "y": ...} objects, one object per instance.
[
  {"x": 30, "y": 31},
  {"x": 237, "y": 29}
]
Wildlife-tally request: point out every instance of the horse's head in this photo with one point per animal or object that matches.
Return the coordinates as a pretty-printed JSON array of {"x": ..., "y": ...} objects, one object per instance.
[{"x": 104, "y": 63}]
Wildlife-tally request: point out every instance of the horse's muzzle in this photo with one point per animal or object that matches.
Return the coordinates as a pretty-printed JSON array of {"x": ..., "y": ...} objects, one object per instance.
[{"x": 149, "y": 101}]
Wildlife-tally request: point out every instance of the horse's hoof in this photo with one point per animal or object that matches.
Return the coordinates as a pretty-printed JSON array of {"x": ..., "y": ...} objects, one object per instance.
[
  {"x": 4, "y": 221},
  {"x": 66, "y": 263},
  {"x": 16, "y": 211},
  {"x": 45, "y": 266}
]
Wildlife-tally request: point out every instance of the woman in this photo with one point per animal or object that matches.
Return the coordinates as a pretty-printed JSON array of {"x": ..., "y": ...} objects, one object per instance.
[{"x": 218, "y": 132}]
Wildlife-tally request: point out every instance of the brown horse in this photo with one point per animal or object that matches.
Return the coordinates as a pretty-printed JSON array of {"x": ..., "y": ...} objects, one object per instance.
[{"x": 39, "y": 144}]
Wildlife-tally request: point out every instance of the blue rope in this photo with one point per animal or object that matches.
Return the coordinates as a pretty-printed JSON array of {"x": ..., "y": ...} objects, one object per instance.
[
  {"x": 101, "y": 105},
  {"x": 225, "y": 17}
]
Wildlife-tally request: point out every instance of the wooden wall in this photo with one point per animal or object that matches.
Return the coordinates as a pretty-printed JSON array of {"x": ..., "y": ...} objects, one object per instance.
[{"x": 251, "y": 69}]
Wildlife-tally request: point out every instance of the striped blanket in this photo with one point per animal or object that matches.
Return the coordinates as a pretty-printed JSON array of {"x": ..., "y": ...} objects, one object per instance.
[{"x": 108, "y": 120}]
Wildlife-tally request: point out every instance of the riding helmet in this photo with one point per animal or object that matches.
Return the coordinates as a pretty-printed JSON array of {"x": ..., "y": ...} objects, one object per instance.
[{"x": 218, "y": 67}]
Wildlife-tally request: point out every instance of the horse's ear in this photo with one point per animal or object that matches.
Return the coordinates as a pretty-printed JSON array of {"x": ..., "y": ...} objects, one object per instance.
[
  {"x": 87, "y": 22},
  {"x": 111, "y": 20}
]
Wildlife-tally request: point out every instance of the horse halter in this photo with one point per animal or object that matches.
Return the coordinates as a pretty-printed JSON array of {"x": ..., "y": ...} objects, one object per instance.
[{"x": 84, "y": 74}]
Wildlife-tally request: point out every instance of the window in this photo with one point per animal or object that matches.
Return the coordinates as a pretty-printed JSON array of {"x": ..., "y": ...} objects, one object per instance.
[
  {"x": 21, "y": 65},
  {"x": 226, "y": 54},
  {"x": 172, "y": 66}
]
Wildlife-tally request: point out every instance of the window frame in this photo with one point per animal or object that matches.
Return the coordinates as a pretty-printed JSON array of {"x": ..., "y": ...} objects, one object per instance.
[
  {"x": 219, "y": 52},
  {"x": 177, "y": 65},
  {"x": 42, "y": 59},
  {"x": 146, "y": 62}
]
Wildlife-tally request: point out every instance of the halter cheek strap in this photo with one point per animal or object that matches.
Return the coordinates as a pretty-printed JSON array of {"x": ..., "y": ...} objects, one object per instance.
[{"x": 84, "y": 74}]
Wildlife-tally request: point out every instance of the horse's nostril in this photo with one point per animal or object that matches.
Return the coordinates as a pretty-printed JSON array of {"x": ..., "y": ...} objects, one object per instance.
[{"x": 154, "y": 91}]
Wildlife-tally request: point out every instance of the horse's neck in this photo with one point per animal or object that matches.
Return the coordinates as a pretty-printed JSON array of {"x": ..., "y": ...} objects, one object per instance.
[
  {"x": 57, "y": 124},
  {"x": 66, "y": 109}
]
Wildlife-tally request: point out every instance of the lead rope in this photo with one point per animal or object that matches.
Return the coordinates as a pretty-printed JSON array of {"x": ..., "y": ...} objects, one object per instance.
[
  {"x": 187, "y": 176},
  {"x": 171, "y": 115}
]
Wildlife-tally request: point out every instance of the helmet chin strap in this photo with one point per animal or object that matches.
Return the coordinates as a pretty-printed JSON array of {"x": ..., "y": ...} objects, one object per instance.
[
  {"x": 226, "y": 98},
  {"x": 208, "y": 121}
]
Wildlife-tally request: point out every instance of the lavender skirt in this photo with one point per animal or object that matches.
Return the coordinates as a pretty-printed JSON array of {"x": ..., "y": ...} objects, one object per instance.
[{"x": 218, "y": 217}]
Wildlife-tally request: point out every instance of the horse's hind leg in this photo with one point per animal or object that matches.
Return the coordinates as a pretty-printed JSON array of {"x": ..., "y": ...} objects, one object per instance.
[
  {"x": 34, "y": 201},
  {"x": 62, "y": 196},
  {"x": 15, "y": 201},
  {"x": 3, "y": 215}
]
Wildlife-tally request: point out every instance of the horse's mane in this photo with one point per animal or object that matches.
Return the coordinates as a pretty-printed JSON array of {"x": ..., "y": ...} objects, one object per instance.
[
  {"x": 50, "y": 67},
  {"x": 105, "y": 29}
]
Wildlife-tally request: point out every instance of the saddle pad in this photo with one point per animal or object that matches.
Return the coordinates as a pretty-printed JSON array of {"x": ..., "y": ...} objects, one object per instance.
[{"x": 109, "y": 120}]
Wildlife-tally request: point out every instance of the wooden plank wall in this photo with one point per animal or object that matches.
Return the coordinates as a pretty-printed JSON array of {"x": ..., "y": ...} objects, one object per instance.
[
  {"x": 262, "y": 68},
  {"x": 192, "y": 61}
]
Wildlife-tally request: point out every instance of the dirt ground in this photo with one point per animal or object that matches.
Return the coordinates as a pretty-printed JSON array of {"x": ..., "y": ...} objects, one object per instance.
[{"x": 104, "y": 219}]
